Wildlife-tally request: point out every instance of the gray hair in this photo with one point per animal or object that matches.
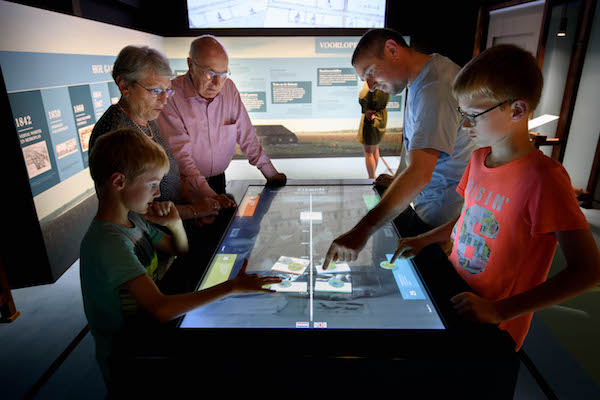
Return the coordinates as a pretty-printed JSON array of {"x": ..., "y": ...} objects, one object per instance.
[
  {"x": 201, "y": 42},
  {"x": 133, "y": 63}
]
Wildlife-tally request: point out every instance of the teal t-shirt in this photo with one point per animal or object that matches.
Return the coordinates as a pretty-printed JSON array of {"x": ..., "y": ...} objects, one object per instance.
[{"x": 111, "y": 255}]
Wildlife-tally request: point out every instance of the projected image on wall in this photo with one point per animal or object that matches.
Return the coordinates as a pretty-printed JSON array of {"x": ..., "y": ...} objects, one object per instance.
[
  {"x": 303, "y": 95},
  {"x": 286, "y": 13}
]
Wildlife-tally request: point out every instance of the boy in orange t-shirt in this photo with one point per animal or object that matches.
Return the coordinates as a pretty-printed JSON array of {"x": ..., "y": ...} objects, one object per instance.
[{"x": 518, "y": 203}]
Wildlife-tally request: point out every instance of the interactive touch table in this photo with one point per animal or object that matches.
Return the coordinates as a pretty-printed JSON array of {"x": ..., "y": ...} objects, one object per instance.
[
  {"x": 369, "y": 318},
  {"x": 286, "y": 232}
]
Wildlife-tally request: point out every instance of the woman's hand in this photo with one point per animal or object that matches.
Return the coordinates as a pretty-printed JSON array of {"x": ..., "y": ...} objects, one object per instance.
[{"x": 206, "y": 207}]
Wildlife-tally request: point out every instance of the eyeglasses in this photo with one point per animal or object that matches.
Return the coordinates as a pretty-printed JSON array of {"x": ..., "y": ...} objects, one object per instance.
[
  {"x": 470, "y": 118},
  {"x": 209, "y": 74},
  {"x": 155, "y": 92}
]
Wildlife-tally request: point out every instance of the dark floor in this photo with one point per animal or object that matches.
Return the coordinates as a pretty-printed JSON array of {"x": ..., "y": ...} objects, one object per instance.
[{"x": 52, "y": 316}]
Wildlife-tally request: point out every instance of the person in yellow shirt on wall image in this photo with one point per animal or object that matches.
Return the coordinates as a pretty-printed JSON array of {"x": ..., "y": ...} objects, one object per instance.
[{"x": 372, "y": 125}]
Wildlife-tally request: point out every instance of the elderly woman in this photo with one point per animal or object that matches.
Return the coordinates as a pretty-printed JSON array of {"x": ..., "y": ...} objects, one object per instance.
[{"x": 143, "y": 76}]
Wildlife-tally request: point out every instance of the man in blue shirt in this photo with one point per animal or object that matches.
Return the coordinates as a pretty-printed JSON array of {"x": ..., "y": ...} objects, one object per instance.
[{"x": 437, "y": 149}]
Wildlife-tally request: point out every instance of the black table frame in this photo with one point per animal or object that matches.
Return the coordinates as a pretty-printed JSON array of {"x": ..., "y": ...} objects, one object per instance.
[{"x": 463, "y": 342}]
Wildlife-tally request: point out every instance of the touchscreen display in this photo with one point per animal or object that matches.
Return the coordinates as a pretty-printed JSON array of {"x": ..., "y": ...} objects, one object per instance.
[{"x": 286, "y": 232}]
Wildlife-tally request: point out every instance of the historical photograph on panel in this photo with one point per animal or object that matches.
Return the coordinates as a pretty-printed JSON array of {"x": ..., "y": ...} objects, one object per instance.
[
  {"x": 37, "y": 158},
  {"x": 84, "y": 136},
  {"x": 66, "y": 148}
]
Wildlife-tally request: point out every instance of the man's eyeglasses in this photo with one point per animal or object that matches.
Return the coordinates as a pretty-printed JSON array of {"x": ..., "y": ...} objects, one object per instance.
[
  {"x": 470, "y": 118},
  {"x": 209, "y": 74},
  {"x": 155, "y": 92}
]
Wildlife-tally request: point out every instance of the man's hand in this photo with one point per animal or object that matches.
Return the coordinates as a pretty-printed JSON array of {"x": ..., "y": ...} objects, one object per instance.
[
  {"x": 278, "y": 179},
  {"x": 249, "y": 283},
  {"x": 346, "y": 247},
  {"x": 384, "y": 180},
  {"x": 224, "y": 201},
  {"x": 409, "y": 247},
  {"x": 206, "y": 207},
  {"x": 474, "y": 307},
  {"x": 163, "y": 213}
]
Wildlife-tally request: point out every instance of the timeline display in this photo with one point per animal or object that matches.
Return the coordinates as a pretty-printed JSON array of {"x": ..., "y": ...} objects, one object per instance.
[{"x": 56, "y": 99}]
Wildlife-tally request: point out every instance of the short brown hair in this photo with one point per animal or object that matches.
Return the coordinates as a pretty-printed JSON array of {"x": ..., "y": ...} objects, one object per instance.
[
  {"x": 373, "y": 42},
  {"x": 126, "y": 151},
  {"x": 503, "y": 72}
]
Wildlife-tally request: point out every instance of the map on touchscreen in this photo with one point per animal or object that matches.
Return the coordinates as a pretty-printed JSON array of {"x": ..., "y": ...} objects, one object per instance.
[{"x": 286, "y": 232}]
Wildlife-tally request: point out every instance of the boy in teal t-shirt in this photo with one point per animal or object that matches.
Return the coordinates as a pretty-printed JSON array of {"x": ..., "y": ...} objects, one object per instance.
[{"x": 118, "y": 264}]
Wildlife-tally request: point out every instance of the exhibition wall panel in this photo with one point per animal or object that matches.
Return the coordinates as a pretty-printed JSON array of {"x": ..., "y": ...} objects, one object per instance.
[
  {"x": 51, "y": 63},
  {"x": 56, "y": 71}
]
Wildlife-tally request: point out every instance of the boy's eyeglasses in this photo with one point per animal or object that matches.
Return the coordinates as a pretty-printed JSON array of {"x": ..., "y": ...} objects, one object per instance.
[
  {"x": 155, "y": 92},
  {"x": 209, "y": 74},
  {"x": 470, "y": 118}
]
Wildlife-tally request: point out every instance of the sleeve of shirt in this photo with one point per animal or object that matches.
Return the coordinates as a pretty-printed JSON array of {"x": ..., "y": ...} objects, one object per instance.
[
  {"x": 437, "y": 121},
  {"x": 553, "y": 206},
  {"x": 107, "y": 122},
  {"x": 462, "y": 185},
  {"x": 246, "y": 134},
  {"x": 172, "y": 127}
]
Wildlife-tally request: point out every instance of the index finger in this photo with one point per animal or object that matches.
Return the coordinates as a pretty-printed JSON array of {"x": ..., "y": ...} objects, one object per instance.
[
  {"x": 396, "y": 255},
  {"x": 331, "y": 255},
  {"x": 244, "y": 265}
]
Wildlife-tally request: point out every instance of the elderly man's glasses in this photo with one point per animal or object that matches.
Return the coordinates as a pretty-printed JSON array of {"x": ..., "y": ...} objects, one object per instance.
[
  {"x": 209, "y": 74},
  {"x": 470, "y": 118},
  {"x": 155, "y": 92}
]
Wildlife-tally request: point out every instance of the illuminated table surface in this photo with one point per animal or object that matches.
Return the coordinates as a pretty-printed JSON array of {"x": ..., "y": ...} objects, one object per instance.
[{"x": 286, "y": 232}]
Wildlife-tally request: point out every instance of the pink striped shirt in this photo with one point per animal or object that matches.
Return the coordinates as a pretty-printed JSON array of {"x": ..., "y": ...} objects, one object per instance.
[{"x": 202, "y": 135}]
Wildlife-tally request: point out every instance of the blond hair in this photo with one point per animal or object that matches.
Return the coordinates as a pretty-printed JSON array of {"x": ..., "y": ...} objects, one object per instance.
[
  {"x": 500, "y": 73},
  {"x": 126, "y": 151}
]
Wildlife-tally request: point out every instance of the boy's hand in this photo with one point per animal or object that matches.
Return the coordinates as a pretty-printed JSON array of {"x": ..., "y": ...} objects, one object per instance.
[
  {"x": 474, "y": 307},
  {"x": 249, "y": 283},
  {"x": 409, "y": 247},
  {"x": 163, "y": 213}
]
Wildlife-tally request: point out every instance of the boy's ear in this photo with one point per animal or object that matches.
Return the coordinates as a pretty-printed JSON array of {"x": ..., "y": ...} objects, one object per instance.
[
  {"x": 519, "y": 110},
  {"x": 117, "y": 181}
]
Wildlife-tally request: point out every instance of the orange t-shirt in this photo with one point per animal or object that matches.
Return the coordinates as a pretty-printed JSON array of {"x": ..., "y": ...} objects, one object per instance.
[{"x": 504, "y": 241}]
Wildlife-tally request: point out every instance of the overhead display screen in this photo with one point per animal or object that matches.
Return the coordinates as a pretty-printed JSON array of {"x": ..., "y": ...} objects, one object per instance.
[
  {"x": 286, "y": 13},
  {"x": 286, "y": 232}
]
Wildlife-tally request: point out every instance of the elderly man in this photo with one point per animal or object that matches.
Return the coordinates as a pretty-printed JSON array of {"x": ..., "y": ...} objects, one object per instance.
[
  {"x": 205, "y": 119},
  {"x": 438, "y": 151}
]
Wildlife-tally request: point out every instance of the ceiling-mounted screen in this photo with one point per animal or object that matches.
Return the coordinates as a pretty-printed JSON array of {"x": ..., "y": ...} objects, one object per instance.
[{"x": 215, "y": 14}]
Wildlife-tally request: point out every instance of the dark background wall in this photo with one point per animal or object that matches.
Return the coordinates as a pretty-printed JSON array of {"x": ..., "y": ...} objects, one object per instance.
[{"x": 444, "y": 27}]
